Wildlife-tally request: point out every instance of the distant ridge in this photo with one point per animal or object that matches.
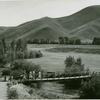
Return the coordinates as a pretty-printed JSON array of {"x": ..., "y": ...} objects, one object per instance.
[{"x": 84, "y": 24}]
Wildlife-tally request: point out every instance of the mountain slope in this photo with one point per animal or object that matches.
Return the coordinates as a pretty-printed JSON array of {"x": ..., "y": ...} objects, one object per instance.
[
  {"x": 3, "y": 29},
  {"x": 80, "y": 18},
  {"x": 84, "y": 24},
  {"x": 87, "y": 31},
  {"x": 30, "y": 29}
]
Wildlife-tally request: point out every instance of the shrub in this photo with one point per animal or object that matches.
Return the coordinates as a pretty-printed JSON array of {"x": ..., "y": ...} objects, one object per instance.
[
  {"x": 73, "y": 67},
  {"x": 20, "y": 68},
  {"x": 32, "y": 54},
  {"x": 69, "y": 61},
  {"x": 30, "y": 91},
  {"x": 12, "y": 94},
  {"x": 17, "y": 74},
  {"x": 6, "y": 72},
  {"x": 90, "y": 89}
]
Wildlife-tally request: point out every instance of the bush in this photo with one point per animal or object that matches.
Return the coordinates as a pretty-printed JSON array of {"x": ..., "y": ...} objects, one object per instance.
[
  {"x": 17, "y": 74},
  {"x": 73, "y": 67},
  {"x": 12, "y": 94},
  {"x": 21, "y": 68},
  {"x": 30, "y": 91},
  {"x": 32, "y": 54},
  {"x": 90, "y": 89},
  {"x": 6, "y": 72}
]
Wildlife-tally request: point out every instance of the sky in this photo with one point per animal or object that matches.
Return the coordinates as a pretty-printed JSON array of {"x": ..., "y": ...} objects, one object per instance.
[{"x": 15, "y": 12}]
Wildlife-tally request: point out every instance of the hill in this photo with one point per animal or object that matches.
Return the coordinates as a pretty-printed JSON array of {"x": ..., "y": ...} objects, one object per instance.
[
  {"x": 3, "y": 29},
  {"x": 84, "y": 24},
  {"x": 44, "y": 27}
]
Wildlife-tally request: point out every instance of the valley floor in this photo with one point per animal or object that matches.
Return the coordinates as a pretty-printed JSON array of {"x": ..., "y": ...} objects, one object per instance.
[{"x": 54, "y": 61}]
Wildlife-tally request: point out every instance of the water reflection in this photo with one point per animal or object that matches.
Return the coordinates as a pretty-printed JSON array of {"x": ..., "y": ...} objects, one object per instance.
[{"x": 66, "y": 89}]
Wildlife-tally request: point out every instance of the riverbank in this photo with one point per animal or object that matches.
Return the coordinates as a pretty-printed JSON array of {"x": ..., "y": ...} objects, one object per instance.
[{"x": 20, "y": 91}]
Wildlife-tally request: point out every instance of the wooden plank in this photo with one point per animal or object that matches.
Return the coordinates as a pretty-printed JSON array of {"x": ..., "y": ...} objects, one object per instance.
[{"x": 57, "y": 79}]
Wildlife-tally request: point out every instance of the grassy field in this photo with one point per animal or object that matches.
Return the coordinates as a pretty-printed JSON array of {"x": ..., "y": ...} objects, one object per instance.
[
  {"x": 63, "y": 46},
  {"x": 54, "y": 61},
  {"x": 79, "y": 50}
]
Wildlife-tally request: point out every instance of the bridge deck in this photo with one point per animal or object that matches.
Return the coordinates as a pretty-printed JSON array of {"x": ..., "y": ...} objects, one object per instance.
[{"x": 56, "y": 79}]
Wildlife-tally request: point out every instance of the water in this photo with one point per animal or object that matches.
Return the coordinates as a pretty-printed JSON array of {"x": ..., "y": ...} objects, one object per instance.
[{"x": 54, "y": 90}]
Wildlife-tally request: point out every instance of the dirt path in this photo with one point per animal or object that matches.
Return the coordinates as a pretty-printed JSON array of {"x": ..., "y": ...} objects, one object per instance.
[{"x": 3, "y": 90}]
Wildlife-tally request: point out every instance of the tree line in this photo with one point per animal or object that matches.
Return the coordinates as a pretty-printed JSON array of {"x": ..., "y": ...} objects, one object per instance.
[
  {"x": 64, "y": 40},
  {"x": 61, "y": 40},
  {"x": 16, "y": 49}
]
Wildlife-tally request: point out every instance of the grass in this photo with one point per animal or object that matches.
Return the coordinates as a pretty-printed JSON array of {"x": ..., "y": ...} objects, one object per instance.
[
  {"x": 54, "y": 61},
  {"x": 75, "y": 49}
]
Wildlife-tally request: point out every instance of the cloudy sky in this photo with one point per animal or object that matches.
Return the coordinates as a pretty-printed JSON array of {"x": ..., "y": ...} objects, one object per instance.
[{"x": 15, "y": 12}]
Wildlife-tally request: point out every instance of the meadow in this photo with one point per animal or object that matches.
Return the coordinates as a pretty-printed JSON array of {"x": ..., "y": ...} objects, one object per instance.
[
  {"x": 77, "y": 50},
  {"x": 54, "y": 61}
]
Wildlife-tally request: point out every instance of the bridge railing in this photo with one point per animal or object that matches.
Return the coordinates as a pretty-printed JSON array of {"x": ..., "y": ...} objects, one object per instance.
[{"x": 61, "y": 78}]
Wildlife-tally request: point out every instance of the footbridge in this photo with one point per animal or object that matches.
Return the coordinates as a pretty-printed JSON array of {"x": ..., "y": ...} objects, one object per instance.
[{"x": 56, "y": 79}]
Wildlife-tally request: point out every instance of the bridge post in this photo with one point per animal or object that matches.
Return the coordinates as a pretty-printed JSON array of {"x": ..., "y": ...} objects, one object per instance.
[
  {"x": 40, "y": 75},
  {"x": 33, "y": 75},
  {"x": 30, "y": 75}
]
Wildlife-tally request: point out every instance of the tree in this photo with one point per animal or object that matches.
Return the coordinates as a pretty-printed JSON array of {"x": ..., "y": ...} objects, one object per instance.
[
  {"x": 4, "y": 45},
  {"x": 2, "y": 61},
  {"x": 25, "y": 68},
  {"x": 66, "y": 40},
  {"x": 77, "y": 41},
  {"x": 35, "y": 41},
  {"x": 18, "y": 49},
  {"x": 96, "y": 41},
  {"x": 12, "y": 51},
  {"x": 61, "y": 40},
  {"x": 79, "y": 61},
  {"x": 71, "y": 41},
  {"x": 37, "y": 69},
  {"x": 5, "y": 73},
  {"x": 73, "y": 67},
  {"x": 3, "y": 58},
  {"x": 1, "y": 49},
  {"x": 17, "y": 74},
  {"x": 69, "y": 61}
]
